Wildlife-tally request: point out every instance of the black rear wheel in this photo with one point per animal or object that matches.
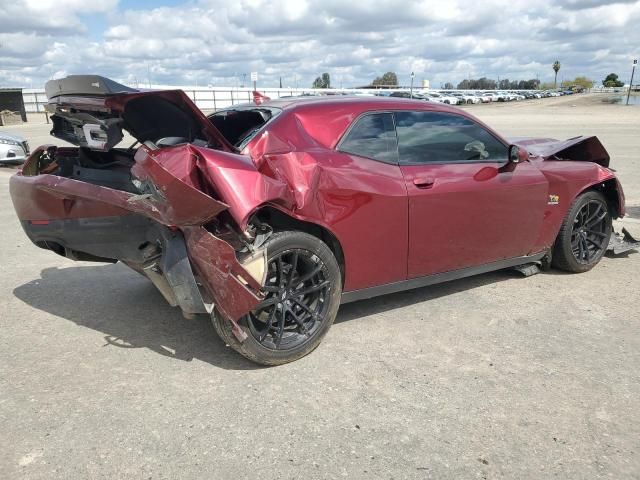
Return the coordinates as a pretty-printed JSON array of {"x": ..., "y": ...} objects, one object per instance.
[
  {"x": 302, "y": 295},
  {"x": 584, "y": 235}
]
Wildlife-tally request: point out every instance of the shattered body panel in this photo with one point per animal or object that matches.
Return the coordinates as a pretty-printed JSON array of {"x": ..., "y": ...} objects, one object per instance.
[
  {"x": 584, "y": 149},
  {"x": 174, "y": 201},
  {"x": 186, "y": 207}
]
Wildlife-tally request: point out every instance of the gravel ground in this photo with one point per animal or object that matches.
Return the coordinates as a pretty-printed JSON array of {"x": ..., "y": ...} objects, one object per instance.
[{"x": 495, "y": 376}]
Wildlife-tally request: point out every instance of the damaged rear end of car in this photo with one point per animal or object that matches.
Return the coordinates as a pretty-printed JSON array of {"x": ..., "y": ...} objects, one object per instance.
[{"x": 170, "y": 206}]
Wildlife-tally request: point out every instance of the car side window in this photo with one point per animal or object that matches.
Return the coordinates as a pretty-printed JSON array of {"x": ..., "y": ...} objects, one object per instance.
[
  {"x": 372, "y": 136},
  {"x": 436, "y": 137}
]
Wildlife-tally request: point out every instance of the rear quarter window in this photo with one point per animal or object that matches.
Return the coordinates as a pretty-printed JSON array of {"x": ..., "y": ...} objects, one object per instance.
[{"x": 372, "y": 136}]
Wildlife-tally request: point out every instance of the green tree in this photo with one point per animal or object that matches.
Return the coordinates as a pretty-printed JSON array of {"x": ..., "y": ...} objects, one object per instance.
[
  {"x": 448, "y": 86},
  {"x": 556, "y": 69},
  {"x": 323, "y": 81},
  {"x": 612, "y": 81},
  {"x": 582, "y": 82},
  {"x": 389, "y": 79}
]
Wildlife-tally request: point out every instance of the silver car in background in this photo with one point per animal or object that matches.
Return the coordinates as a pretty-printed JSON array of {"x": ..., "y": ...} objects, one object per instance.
[{"x": 13, "y": 149}]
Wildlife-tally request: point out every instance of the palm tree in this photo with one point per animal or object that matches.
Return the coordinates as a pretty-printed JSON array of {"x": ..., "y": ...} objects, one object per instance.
[{"x": 556, "y": 67}]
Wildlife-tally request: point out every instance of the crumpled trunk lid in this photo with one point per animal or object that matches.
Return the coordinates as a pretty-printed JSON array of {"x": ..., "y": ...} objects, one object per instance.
[{"x": 583, "y": 148}]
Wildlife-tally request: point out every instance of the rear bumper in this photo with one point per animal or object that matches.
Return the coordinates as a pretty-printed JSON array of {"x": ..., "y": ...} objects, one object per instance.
[
  {"x": 146, "y": 246},
  {"x": 191, "y": 267}
]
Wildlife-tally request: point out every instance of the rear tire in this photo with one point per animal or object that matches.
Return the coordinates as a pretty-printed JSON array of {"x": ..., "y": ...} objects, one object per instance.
[
  {"x": 584, "y": 234},
  {"x": 303, "y": 290}
]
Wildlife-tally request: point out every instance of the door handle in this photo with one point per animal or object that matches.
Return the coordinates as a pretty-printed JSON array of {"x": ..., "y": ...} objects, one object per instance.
[{"x": 423, "y": 182}]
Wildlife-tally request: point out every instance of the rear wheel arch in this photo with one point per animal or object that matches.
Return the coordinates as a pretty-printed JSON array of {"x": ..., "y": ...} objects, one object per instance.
[{"x": 280, "y": 221}]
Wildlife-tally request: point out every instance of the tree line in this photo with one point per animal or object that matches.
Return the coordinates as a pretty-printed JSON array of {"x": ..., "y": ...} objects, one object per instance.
[{"x": 390, "y": 79}]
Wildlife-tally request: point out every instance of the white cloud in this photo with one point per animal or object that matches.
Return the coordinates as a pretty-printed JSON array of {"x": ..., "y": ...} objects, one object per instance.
[{"x": 216, "y": 41}]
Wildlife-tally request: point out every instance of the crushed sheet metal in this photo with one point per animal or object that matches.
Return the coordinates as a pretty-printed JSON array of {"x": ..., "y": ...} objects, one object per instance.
[
  {"x": 177, "y": 201},
  {"x": 583, "y": 148},
  {"x": 228, "y": 282},
  {"x": 620, "y": 243}
]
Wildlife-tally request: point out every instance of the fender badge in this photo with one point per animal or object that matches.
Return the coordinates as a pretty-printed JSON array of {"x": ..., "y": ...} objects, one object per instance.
[{"x": 553, "y": 200}]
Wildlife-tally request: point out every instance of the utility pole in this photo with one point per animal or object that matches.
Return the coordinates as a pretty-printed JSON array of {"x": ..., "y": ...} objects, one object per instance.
[
  {"x": 633, "y": 70},
  {"x": 412, "y": 75}
]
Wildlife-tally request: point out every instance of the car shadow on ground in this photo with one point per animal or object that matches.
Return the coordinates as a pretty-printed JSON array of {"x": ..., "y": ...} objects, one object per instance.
[
  {"x": 128, "y": 310},
  {"x": 130, "y": 313},
  {"x": 384, "y": 303}
]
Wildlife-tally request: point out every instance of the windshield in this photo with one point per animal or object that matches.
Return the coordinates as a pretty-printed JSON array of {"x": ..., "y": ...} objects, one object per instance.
[{"x": 239, "y": 124}]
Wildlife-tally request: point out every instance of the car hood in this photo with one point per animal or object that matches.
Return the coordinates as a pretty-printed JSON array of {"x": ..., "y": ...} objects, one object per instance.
[
  {"x": 91, "y": 111},
  {"x": 583, "y": 148},
  {"x": 10, "y": 136}
]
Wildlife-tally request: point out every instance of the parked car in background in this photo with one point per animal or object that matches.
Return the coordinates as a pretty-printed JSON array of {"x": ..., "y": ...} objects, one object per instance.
[
  {"x": 405, "y": 94},
  {"x": 13, "y": 149},
  {"x": 491, "y": 96},
  {"x": 400, "y": 94},
  {"x": 432, "y": 97},
  {"x": 440, "y": 98},
  {"x": 467, "y": 98},
  {"x": 483, "y": 97},
  {"x": 506, "y": 96}
]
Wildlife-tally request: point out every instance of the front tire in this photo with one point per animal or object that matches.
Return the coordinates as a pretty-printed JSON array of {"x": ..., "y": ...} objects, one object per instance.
[
  {"x": 584, "y": 234},
  {"x": 303, "y": 289}
]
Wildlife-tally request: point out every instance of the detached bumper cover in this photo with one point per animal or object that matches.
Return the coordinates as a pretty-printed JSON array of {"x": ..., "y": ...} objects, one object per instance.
[{"x": 622, "y": 242}]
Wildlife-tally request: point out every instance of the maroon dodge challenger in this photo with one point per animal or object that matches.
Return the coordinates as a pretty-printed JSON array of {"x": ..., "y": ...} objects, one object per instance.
[{"x": 267, "y": 216}]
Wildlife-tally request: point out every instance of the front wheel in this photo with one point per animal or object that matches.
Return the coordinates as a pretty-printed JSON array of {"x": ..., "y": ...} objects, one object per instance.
[
  {"x": 302, "y": 295},
  {"x": 584, "y": 235}
]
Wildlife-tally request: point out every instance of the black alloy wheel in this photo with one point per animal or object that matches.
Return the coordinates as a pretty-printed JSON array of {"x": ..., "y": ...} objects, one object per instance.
[
  {"x": 584, "y": 235},
  {"x": 297, "y": 288},
  {"x": 302, "y": 293},
  {"x": 589, "y": 235}
]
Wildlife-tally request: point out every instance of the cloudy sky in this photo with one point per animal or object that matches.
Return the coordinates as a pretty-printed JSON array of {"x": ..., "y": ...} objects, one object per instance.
[{"x": 215, "y": 42}]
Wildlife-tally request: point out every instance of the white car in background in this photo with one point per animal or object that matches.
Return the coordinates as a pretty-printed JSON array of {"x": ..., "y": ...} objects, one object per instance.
[
  {"x": 440, "y": 98},
  {"x": 484, "y": 98},
  {"x": 505, "y": 96},
  {"x": 14, "y": 149},
  {"x": 467, "y": 98}
]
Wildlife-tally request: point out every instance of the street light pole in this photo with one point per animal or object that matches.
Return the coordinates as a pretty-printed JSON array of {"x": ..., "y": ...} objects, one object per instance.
[
  {"x": 633, "y": 70},
  {"x": 412, "y": 75}
]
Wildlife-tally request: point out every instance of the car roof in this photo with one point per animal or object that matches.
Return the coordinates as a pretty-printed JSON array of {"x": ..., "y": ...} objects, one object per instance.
[
  {"x": 361, "y": 104},
  {"x": 325, "y": 119}
]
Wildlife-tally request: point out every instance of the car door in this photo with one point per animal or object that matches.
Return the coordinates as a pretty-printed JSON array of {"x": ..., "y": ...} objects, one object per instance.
[
  {"x": 369, "y": 195},
  {"x": 468, "y": 205}
]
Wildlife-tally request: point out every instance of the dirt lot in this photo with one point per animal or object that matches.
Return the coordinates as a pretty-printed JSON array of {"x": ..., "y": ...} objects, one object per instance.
[{"x": 496, "y": 376}]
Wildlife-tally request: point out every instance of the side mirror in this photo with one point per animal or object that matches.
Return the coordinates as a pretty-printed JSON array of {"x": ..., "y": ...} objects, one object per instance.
[{"x": 517, "y": 154}]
